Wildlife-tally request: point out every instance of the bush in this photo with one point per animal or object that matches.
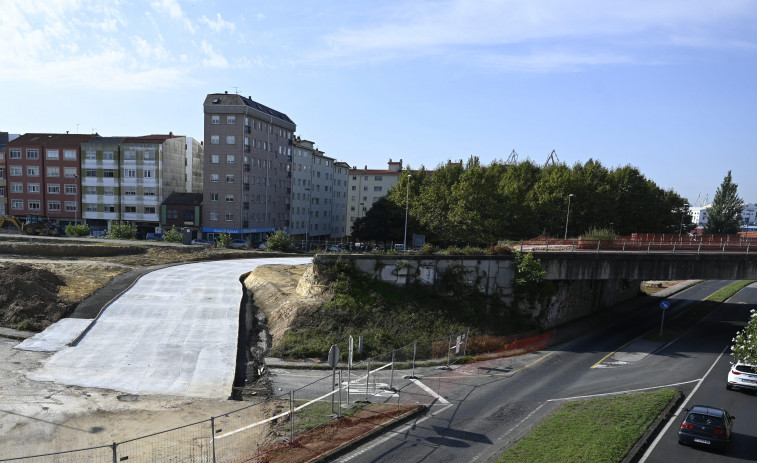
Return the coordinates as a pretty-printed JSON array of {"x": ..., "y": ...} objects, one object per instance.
[
  {"x": 599, "y": 234},
  {"x": 427, "y": 249},
  {"x": 122, "y": 231},
  {"x": 77, "y": 230},
  {"x": 174, "y": 235},
  {"x": 223, "y": 241},
  {"x": 279, "y": 241},
  {"x": 528, "y": 272}
]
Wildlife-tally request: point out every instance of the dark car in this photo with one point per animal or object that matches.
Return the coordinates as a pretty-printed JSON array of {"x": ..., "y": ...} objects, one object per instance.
[{"x": 706, "y": 426}]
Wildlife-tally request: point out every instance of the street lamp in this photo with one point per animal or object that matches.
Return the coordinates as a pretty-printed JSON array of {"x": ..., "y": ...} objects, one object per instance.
[
  {"x": 407, "y": 204},
  {"x": 568, "y": 216},
  {"x": 76, "y": 201},
  {"x": 680, "y": 230}
]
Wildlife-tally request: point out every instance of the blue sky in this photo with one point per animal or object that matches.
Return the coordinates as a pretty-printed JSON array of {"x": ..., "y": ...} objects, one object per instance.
[{"x": 666, "y": 86}]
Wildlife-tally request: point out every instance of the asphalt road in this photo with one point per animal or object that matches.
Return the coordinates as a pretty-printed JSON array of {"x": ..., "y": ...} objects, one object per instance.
[{"x": 474, "y": 415}]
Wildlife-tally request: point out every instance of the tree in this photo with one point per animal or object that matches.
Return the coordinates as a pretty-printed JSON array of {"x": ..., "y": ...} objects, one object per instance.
[
  {"x": 279, "y": 240},
  {"x": 724, "y": 217},
  {"x": 384, "y": 221},
  {"x": 745, "y": 343}
]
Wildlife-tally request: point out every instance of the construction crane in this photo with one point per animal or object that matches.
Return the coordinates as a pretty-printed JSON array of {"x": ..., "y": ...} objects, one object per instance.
[
  {"x": 552, "y": 159},
  {"x": 513, "y": 159}
]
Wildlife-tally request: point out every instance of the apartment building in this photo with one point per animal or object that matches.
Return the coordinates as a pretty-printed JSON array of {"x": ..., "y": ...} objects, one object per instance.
[
  {"x": 366, "y": 186},
  {"x": 44, "y": 175},
  {"x": 3, "y": 198},
  {"x": 247, "y": 167},
  {"x": 339, "y": 200}
]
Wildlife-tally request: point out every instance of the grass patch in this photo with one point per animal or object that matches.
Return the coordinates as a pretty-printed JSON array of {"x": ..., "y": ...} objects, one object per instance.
[
  {"x": 729, "y": 290},
  {"x": 591, "y": 431},
  {"x": 317, "y": 414}
]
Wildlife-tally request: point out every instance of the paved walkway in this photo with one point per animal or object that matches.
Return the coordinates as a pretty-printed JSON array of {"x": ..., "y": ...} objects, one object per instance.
[{"x": 173, "y": 332}]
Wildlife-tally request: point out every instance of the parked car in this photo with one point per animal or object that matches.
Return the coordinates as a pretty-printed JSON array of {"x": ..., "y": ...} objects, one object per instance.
[
  {"x": 334, "y": 248},
  {"x": 742, "y": 375},
  {"x": 239, "y": 244},
  {"x": 706, "y": 426},
  {"x": 202, "y": 242}
]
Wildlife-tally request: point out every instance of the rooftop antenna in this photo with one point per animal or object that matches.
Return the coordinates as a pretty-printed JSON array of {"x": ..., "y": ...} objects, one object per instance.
[
  {"x": 513, "y": 159},
  {"x": 236, "y": 90},
  {"x": 552, "y": 159}
]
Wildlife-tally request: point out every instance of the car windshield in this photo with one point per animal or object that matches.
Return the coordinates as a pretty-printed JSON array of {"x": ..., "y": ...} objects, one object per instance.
[
  {"x": 696, "y": 418},
  {"x": 745, "y": 368}
]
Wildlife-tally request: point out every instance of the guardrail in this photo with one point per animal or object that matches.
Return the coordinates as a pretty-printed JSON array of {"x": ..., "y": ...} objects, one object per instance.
[{"x": 636, "y": 244}]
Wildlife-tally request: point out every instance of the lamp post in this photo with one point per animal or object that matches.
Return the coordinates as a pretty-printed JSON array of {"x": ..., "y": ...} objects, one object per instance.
[
  {"x": 680, "y": 229},
  {"x": 568, "y": 216},
  {"x": 76, "y": 201},
  {"x": 407, "y": 204}
]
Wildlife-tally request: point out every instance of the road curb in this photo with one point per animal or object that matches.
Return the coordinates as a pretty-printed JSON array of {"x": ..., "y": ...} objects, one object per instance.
[{"x": 643, "y": 443}]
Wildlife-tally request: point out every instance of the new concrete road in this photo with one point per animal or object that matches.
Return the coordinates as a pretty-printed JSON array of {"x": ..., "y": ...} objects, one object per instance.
[
  {"x": 173, "y": 332},
  {"x": 475, "y": 413}
]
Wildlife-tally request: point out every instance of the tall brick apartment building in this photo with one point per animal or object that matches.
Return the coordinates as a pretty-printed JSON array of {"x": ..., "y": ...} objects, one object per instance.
[{"x": 247, "y": 168}]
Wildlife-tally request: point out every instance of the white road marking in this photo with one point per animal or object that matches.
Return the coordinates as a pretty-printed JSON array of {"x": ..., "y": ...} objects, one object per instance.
[
  {"x": 431, "y": 392},
  {"x": 624, "y": 392}
]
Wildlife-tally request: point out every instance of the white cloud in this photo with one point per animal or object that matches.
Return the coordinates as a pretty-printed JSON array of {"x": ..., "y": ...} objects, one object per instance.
[
  {"x": 219, "y": 24},
  {"x": 174, "y": 11},
  {"x": 212, "y": 58}
]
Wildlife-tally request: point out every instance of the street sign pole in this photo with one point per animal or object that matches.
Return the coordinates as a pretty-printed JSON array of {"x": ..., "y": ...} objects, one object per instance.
[{"x": 664, "y": 305}]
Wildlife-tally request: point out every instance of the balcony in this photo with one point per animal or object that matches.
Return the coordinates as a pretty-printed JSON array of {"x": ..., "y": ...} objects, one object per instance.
[
  {"x": 247, "y": 129},
  {"x": 246, "y": 206},
  {"x": 246, "y": 167},
  {"x": 246, "y": 148},
  {"x": 246, "y": 187}
]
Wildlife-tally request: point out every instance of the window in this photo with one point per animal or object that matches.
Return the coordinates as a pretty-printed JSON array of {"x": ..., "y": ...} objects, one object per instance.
[
  {"x": 230, "y": 140},
  {"x": 14, "y": 154},
  {"x": 149, "y": 191},
  {"x": 53, "y": 188},
  {"x": 229, "y": 198},
  {"x": 32, "y": 187},
  {"x": 377, "y": 178},
  {"x": 215, "y": 119},
  {"x": 69, "y": 172},
  {"x": 70, "y": 206},
  {"x": 108, "y": 173},
  {"x": 189, "y": 215},
  {"x": 214, "y": 216},
  {"x": 34, "y": 205},
  {"x": 130, "y": 209},
  {"x": 231, "y": 119},
  {"x": 17, "y": 204},
  {"x": 130, "y": 173},
  {"x": 214, "y": 178},
  {"x": 32, "y": 171},
  {"x": 148, "y": 156},
  {"x": 90, "y": 173},
  {"x": 32, "y": 154},
  {"x": 214, "y": 197},
  {"x": 354, "y": 188},
  {"x": 377, "y": 188},
  {"x": 53, "y": 154},
  {"x": 16, "y": 171},
  {"x": 130, "y": 155},
  {"x": 2, "y": 171},
  {"x": 108, "y": 156},
  {"x": 149, "y": 209},
  {"x": 70, "y": 189},
  {"x": 89, "y": 155},
  {"x": 215, "y": 139},
  {"x": 149, "y": 173},
  {"x": 53, "y": 205},
  {"x": 229, "y": 216},
  {"x": 109, "y": 208},
  {"x": 53, "y": 171},
  {"x": 229, "y": 178},
  {"x": 109, "y": 191},
  {"x": 91, "y": 207},
  {"x": 172, "y": 214},
  {"x": 215, "y": 159},
  {"x": 17, "y": 187},
  {"x": 91, "y": 190},
  {"x": 130, "y": 191},
  {"x": 229, "y": 159},
  {"x": 69, "y": 155}
]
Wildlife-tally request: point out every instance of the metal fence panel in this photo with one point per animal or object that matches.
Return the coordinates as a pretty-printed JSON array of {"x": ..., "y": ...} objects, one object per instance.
[
  {"x": 188, "y": 444},
  {"x": 243, "y": 435},
  {"x": 91, "y": 455}
]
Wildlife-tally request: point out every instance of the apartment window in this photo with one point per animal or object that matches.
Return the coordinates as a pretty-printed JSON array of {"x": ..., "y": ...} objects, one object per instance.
[
  {"x": 108, "y": 156},
  {"x": 53, "y": 205},
  {"x": 89, "y": 155},
  {"x": 16, "y": 171},
  {"x": 53, "y": 171},
  {"x": 17, "y": 187},
  {"x": 149, "y": 209},
  {"x": 130, "y": 192},
  {"x": 213, "y": 197},
  {"x": 91, "y": 207},
  {"x": 51, "y": 154},
  {"x": 109, "y": 208},
  {"x": 214, "y": 216},
  {"x": 32, "y": 187},
  {"x": 214, "y": 178},
  {"x": 130, "y": 209},
  {"x": 149, "y": 191},
  {"x": 229, "y": 198},
  {"x": 130, "y": 173},
  {"x": 32, "y": 171},
  {"x": 32, "y": 154},
  {"x": 34, "y": 205},
  {"x": 53, "y": 188},
  {"x": 148, "y": 155},
  {"x": 17, "y": 204},
  {"x": 14, "y": 154},
  {"x": 377, "y": 188},
  {"x": 354, "y": 187},
  {"x": 2, "y": 170},
  {"x": 230, "y": 140},
  {"x": 172, "y": 214},
  {"x": 229, "y": 217},
  {"x": 69, "y": 155},
  {"x": 108, "y": 173},
  {"x": 231, "y": 119},
  {"x": 229, "y": 159},
  {"x": 377, "y": 178},
  {"x": 91, "y": 190},
  {"x": 130, "y": 155},
  {"x": 215, "y": 159},
  {"x": 90, "y": 173},
  {"x": 70, "y": 189},
  {"x": 215, "y": 139},
  {"x": 229, "y": 178},
  {"x": 109, "y": 191},
  {"x": 215, "y": 119},
  {"x": 70, "y": 206},
  {"x": 69, "y": 172},
  {"x": 149, "y": 173}
]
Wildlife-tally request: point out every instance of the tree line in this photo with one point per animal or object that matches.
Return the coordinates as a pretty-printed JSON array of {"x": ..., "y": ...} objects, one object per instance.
[{"x": 474, "y": 204}]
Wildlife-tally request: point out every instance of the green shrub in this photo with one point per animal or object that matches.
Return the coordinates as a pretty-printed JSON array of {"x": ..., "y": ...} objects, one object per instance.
[
  {"x": 528, "y": 271},
  {"x": 501, "y": 250},
  {"x": 427, "y": 249},
  {"x": 174, "y": 235},
  {"x": 599, "y": 234},
  {"x": 223, "y": 241},
  {"x": 279, "y": 241},
  {"x": 122, "y": 231},
  {"x": 77, "y": 230}
]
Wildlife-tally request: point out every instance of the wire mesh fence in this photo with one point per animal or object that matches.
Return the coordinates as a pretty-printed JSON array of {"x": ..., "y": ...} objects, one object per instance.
[
  {"x": 103, "y": 454},
  {"x": 191, "y": 443}
]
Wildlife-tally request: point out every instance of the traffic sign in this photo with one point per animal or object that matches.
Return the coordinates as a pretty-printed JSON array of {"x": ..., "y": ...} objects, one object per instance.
[{"x": 664, "y": 305}]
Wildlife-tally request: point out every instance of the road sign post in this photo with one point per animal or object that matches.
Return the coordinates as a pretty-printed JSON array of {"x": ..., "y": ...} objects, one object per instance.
[{"x": 664, "y": 305}]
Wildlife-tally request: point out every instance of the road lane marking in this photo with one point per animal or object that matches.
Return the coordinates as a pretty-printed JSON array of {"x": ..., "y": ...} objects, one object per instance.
[
  {"x": 682, "y": 406},
  {"x": 629, "y": 391},
  {"x": 429, "y": 390}
]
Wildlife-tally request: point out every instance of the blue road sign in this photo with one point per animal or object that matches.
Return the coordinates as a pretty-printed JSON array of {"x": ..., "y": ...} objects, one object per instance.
[{"x": 664, "y": 305}]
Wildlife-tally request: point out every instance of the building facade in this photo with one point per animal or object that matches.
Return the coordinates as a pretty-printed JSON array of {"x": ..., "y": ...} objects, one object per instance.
[
  {"x": 3, "y": 198},
  {"x": 366, "y": 186},
  {"x": 247, "y": 168},
  {"x": 339, "y": 200},
  {"x": 700, "y": 214}
]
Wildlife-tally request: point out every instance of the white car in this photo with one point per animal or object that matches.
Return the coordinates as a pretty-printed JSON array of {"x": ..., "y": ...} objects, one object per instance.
[{"x": 742, "y": 375}]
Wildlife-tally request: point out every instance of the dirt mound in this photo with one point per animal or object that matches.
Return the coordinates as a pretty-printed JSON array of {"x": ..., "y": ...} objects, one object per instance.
[{"x": 29, "y": 299}]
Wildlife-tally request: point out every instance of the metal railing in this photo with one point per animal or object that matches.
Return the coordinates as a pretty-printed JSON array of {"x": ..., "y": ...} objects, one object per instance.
[{"x": 644, "y": 243}]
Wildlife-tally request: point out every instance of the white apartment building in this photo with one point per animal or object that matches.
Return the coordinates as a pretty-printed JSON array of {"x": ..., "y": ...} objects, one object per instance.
[
  {"x": 366, "y": 186},
  {"x": 748, "y": 215},
  {"x": 339, "y": 200}
]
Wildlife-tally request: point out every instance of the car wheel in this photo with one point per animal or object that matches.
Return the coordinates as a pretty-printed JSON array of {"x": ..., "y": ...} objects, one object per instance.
[{"x": 728, "y": 386}]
